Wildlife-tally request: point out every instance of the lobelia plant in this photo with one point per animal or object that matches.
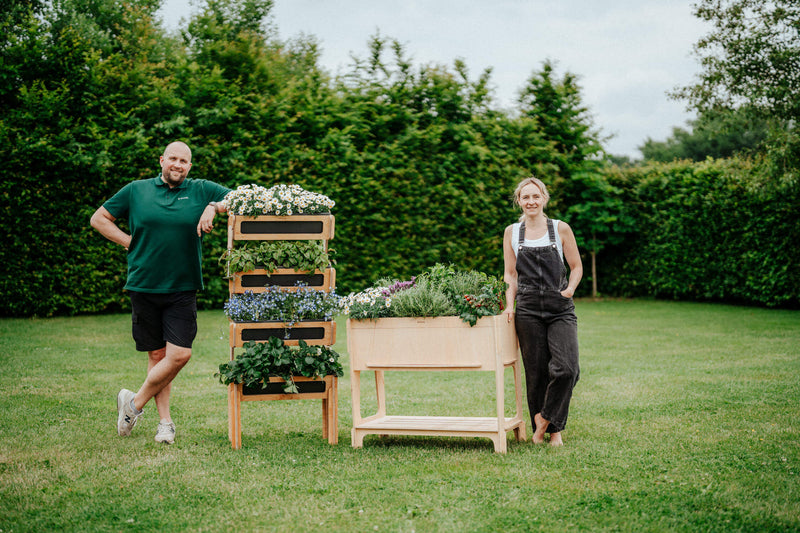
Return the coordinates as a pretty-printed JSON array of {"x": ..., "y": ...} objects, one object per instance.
[
  {"x": 255, "y": 200},
  {"x": 261, "y": 360},
  {"x": 283, "y": 306}
]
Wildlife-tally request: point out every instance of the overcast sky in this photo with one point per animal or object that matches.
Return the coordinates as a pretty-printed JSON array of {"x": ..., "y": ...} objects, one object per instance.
[{"x": 626, "y": 53}]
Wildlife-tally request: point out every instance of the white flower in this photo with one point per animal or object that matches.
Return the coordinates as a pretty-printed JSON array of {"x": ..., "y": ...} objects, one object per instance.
[{"x": 277, "y": 200}]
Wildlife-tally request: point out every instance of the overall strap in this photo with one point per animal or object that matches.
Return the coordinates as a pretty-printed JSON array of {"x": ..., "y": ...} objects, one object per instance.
[
  {"x": 522, "y": 233},
  {"x": 551, "y": 231}
]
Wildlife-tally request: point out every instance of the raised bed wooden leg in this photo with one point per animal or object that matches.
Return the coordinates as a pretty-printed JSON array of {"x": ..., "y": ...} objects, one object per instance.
[
  {"x": 235, "y": 416},
  {"x": 500, "y": 444},
  {"x": 519, "y": 431},
  {"x": 330, "y": 410}
]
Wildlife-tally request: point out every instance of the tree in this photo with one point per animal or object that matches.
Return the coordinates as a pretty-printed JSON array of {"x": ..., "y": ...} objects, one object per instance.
[
  {"x": 752, "y": 56},
  {"x": 719, "y": 136},
  {"x": 82, "y": 83},
  {"x": 599, "y": 218},
  {"x": 581, "y": 194},
  {"x": 751, "y": 59},
  {"x": 556, "y": 104}
]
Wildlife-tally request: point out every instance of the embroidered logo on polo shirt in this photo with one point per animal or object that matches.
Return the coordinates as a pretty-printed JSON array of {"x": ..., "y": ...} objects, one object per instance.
[{"x": 183, "y": 198}]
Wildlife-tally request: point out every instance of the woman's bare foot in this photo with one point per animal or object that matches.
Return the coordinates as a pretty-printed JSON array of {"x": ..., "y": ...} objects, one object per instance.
[
  {"x": 541, "y": 427},
  {"x": 555, "y": 439}
]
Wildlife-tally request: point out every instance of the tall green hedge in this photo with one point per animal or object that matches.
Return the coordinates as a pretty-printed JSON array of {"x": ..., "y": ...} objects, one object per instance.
[
  {"x": 420, "y": 163},
  {"x": 719, "y": 230}
]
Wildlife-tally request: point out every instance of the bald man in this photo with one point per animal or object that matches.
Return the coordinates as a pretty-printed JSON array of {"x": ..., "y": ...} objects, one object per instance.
[{"x": 167, "y": 216}]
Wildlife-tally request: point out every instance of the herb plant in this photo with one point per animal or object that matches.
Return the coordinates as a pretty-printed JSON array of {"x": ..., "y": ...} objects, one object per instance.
[
  {"x": 260, "y": 360},
  {"x": 423, "y": 299},
  {"x": 442, "y": 290}
]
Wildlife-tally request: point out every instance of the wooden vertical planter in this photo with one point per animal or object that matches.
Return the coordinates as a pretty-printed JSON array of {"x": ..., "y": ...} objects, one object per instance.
[{"x": 273, "y": 228}]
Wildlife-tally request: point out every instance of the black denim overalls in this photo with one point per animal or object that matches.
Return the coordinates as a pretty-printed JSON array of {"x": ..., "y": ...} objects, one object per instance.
[{"x": 547, "y": 329}]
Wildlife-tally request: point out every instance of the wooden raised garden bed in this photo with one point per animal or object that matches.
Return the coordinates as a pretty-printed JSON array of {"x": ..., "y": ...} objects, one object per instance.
[
  {"x": 442, "y": 344},
  {"x": 286, "y": 228}
]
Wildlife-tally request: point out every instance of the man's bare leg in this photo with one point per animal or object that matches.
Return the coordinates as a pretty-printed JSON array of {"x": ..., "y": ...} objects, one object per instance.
[
  {"x": 162, "y": 398},
  {"x": 160, "y": 376}
]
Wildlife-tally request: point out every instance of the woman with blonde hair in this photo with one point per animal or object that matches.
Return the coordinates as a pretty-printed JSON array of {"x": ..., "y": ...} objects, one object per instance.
[{"x": 539, "y": 300}]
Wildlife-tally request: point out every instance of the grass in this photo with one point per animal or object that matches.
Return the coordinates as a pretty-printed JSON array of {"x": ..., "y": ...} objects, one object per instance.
[{"x": 686, "y": 418}]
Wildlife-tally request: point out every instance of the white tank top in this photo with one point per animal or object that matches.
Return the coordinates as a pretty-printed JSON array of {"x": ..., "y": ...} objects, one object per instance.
[{"x": 544, "y": 240}]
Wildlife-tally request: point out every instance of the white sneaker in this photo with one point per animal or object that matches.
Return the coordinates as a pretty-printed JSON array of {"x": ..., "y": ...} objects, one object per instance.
[
  {"x": 166, "y": 432},
  {"x": 126, "y": 416}
]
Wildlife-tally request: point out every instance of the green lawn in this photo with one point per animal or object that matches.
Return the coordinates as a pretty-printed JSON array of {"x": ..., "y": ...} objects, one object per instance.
[{"x": 686, "y": 418}]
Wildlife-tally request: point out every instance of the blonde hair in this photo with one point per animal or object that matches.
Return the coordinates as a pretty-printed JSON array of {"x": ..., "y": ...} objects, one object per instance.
[{"x": 528, "y": 181}]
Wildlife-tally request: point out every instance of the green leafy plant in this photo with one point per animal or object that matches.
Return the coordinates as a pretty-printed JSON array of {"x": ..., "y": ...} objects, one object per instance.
[
  {"x": 261, "y": 360},
  {"x": 301, "y": 256},
  {"x": 487, "y": 302}
]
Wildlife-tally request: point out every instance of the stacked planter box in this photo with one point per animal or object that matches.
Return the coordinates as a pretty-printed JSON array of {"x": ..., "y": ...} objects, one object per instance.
[{"x": 277, "y": 228}]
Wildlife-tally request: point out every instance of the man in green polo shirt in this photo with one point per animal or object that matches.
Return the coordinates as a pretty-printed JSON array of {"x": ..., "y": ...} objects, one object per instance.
[{"x": 167, "y": 216}]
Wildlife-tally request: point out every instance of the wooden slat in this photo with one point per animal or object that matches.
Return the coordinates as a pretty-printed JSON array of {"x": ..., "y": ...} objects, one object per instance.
[
  {"x": 281, "y": 228},
  {"x": 326, "y": 332},
  {"x": 324, "y": 280},
  {"x": 422, "y": 366},
  {"x": 435, "y": 424}
]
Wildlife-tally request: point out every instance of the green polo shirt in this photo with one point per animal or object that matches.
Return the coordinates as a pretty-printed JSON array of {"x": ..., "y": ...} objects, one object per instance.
[{"x": 164, "y": 255}]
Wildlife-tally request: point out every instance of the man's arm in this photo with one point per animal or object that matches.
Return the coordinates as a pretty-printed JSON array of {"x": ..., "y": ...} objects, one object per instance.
[
  {"x": 206, "y": 223},
  {"x": 104, "y": 223}
]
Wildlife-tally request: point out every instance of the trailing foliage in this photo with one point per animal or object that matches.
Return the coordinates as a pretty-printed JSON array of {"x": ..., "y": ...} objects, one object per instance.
[
  {"x": 261, "y": 360},
  {"x": 302, "y": 256}
]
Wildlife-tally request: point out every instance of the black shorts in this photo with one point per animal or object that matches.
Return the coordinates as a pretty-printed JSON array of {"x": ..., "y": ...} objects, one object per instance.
[{"x": 162, "y": 318}]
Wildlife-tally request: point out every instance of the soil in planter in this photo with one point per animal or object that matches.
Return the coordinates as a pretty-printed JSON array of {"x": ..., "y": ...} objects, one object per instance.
[
  {"x": 277, "y": 388},
  {"x": 265, "y": 226}
]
